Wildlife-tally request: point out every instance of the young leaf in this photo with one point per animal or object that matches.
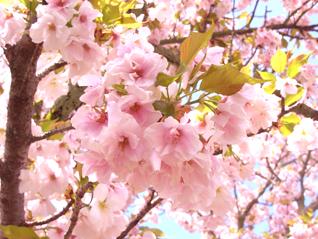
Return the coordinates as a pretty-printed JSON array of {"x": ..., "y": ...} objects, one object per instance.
[
  {"x": 225, "y": 79},
  {"x": 166, "y": 108},
  {"x": 15, "y": 232},
  {"x": 191, "y": 46},
  {"x": 270, "y": 78},
  {"x": 115, "y": 12},
  {"x": 266, "y": 76},
  {"x": 296, "y": 64},
  {"x": 291, "y": 99},
  {"x": 288, "y": 122},
  {"x": 279, "y": 61},
  {"x": 165, "y": 80}
]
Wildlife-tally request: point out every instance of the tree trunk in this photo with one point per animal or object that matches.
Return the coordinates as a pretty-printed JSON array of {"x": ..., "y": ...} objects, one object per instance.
[{"x": 22, "y": 59}]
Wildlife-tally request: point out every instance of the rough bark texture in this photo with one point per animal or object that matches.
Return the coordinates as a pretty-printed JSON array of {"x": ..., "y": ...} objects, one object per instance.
[{"x": 22, "y": 60}]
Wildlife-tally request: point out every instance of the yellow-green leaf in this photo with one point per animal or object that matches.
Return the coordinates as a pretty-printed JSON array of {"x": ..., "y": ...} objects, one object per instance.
[
  {"x": 115, "y": 12},
  {"x": 30, "y": 4},
  {"x": 15, "y": 232},
  {"x": 288, "y": 122},
  {"x": 191, "y": 46},
  {"x": 165, "y": 80},
  {"x": 270, "y": 79},
  {"x": 279, "y": 61},
  {"x": 156, "y": 231},
  {"x": 295, "y": 65},
  {"x": 269, "y": 87},
  {"x": 291, "y": 99},
  {"x": 224, "y": 79},
  {"x": 266, "y": 76}
]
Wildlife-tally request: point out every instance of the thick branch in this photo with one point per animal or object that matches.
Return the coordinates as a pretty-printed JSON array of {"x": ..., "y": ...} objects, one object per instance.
[
  {"x": 305, "y": 110},
  {"x": 149, "y": 205},
  {"x": 22, "y": 59}
]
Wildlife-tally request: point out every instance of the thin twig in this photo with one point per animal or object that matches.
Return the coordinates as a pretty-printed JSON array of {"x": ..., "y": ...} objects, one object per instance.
[
  {"x": 247, "y": 31},
  {"x": 295, "y": 11},
  {"x": 51, "y": 133},
  {"x": 301, "y": 199},
  {"x": 149, "y": 205},
  {"x": 78, "y": 205},
  {"x": 251, "y": 56},
  {"x": 253, "y": 14},
  {"x": 51, "y": 68},
  {"x": 305, "y": 11},
  {"x": 233, "y": 31},
  {"x": 53, "y": 218}
]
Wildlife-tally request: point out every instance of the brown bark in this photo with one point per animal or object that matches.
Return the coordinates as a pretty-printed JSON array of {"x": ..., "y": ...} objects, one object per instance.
[{"x": 22, "y": 59}]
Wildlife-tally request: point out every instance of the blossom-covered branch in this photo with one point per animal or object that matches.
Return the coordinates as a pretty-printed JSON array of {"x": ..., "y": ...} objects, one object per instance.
[
  {"x": 150, "y": 204},
  {"x": 77, "y": 206}
]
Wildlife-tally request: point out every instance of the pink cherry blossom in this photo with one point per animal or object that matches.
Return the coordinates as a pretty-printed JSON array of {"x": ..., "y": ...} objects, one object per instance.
[{"x": 50, "y": 29}]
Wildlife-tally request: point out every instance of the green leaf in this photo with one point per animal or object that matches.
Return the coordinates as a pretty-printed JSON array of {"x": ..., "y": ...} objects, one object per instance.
[
  {"x": 296, "y": 64},
  {"x": 191, "y": 46},
  {"x": 291, "y": 99},
  {"x": 288, "y": 122},
  {"x": 279, "y": 61},
  {"x": 224, "y": 79},
  {"x": 120, "y": 88},
  {"x": 15, "y": 232},
  {"x": 130, "y": 22},
  {"x": 166, "y": 108},
  {"x": 165, "y": 80},
  {"x": 66, "y": 104}
]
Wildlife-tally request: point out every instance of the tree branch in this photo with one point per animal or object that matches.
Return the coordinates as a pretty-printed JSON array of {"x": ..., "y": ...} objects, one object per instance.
[
  {"x": 78, "y": 205},
  {"x": 149, "y": 205},
  {"x": 247, "y": 31},
  {"x": 51, "y": 133},
  {"x": 305, "y": 110},
  {"x": 250, "y": 205},
  {"x": 22, "y": 59},
  {"x": 48, "y": 70},
  {"x": 301, "y": 199},
  {"x": 168, "y": 54},
  {"x": 253, "y": 14},
  {"x": 53, "y": 218}
]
